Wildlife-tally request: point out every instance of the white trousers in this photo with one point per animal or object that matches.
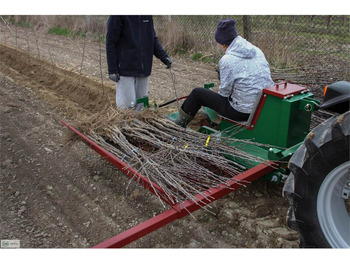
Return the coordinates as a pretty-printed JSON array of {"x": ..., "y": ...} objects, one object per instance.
[{"x": 129, "y": 89}]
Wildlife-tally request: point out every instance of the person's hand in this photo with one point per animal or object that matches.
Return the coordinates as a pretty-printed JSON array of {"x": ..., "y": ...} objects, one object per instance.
[
  {"x": 168, "y": 62},
  {"x": 114, "y": 77}
]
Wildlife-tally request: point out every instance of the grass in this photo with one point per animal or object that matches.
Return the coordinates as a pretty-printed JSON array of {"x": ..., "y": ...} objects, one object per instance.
[
  {"x": 101, "y": 38},
  {"x": 196, "y": 56},
  {"x": 62, "y": 31},
  {"x": 20, "y": 23}
]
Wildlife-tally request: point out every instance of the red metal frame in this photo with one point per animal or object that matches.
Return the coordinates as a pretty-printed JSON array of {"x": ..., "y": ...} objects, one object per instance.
[{"x": 177, "y": 211}]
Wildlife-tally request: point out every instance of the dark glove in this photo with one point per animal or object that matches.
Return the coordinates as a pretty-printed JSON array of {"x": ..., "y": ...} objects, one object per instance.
[
  {"x": 114, "y": 77},
  {"x": 168, "y": 62}
]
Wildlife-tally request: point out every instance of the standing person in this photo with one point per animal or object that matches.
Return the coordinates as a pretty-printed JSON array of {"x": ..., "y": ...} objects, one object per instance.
[
  {"x": 244, "y": 72},
  {"x": 131, "y": 42}
]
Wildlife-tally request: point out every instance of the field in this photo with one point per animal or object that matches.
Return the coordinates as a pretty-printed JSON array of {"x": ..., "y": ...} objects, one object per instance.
[{"x": 57, "y": 194}]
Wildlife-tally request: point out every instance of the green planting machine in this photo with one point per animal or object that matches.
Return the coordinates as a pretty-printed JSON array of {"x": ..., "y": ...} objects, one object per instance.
[{"x": 313, "y": 164}]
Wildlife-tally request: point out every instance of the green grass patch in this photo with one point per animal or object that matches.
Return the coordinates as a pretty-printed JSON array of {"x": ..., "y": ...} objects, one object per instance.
[
  {"x": 62, "y": 31},
  {"x": 65, "y": 32},
  {"x": 210, "y": 59},
  {"x": 101, "y": 38},
  {"x": 196, "y": 56},
  {"x": 20, "y": 23},
  {"x": 59, "y": 31},
  {"x": 204, "y": 58}
]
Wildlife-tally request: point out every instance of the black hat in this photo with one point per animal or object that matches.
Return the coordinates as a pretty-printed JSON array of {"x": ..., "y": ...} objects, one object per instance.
[{"x": 226, "y": 31}]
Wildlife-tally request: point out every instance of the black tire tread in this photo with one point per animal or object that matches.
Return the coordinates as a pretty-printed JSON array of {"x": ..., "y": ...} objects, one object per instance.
[{"x": 324, "y": 148}]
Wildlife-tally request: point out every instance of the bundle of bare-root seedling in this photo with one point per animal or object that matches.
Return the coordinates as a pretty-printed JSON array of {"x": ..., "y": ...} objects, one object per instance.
[{"x": 182, "y": 162}]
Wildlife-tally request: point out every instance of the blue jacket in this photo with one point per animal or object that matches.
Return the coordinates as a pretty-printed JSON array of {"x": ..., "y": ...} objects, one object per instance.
[{"x": 131, "y": 42}]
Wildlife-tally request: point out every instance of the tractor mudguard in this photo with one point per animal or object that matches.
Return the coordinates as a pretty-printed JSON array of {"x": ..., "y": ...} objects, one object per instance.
[{"x": 337, "y": 97}]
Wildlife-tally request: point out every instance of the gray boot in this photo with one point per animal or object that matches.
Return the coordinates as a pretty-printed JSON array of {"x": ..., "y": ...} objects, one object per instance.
[{"x": 183, "y": 119}]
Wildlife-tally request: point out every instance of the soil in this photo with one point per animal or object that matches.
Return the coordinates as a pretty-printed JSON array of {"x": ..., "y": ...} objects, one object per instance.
[{"x": 56, "y": 194}]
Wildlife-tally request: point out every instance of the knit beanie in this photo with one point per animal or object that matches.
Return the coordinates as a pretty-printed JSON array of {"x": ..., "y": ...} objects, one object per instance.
[{"x": 226, "y": 31}]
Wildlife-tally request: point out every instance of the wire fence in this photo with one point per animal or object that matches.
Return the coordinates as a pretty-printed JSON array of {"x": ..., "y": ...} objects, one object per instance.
[
  {"x": 304, "y": 49},
  {"x": 319, "y": 45},
  {"x": 289, "y": 36}
]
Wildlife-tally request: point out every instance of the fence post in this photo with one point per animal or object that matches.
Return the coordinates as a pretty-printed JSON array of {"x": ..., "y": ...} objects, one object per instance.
[{"x": 247, "y": 28}]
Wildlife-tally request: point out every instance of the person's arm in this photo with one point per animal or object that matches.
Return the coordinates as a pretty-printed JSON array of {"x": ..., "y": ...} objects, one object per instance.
[
  {"x": 114, "y": 27},
  {"x": 160, "y": 53},
  {"x": 226, "y": 78}
]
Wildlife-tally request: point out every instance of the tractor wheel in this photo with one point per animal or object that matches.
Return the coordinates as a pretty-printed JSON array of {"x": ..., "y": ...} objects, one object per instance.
[{"x": 318, "y": 187}]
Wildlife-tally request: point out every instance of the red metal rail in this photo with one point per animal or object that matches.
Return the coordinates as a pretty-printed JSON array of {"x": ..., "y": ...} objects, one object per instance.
[{"x": 177, "y": 211}]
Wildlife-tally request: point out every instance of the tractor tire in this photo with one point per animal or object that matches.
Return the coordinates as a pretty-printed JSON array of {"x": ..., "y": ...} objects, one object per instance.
[{"x": 318, "y": 186}]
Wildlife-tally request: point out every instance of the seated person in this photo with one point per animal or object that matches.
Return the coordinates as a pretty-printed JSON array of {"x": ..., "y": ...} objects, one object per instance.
[{"x": 244, "y": 72}]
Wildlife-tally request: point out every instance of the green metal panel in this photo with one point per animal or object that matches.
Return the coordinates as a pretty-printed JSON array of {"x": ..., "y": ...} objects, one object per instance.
[
  {"x": 281, "y": 123},
  {"x": 143, "y": 100}
]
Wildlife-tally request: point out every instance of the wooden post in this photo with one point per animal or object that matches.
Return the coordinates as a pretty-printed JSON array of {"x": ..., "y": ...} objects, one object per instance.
[{"x": 247, "y": 28}]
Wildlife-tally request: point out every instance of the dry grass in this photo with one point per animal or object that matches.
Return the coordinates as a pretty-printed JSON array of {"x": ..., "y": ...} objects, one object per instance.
[
  {"x": 278, "y": 52},
  {"x": 175, "y": 38},
  {"x": 76, "y": 23}
]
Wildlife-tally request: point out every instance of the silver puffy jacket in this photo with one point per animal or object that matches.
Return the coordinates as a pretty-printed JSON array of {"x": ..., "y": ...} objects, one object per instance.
[{"x": 244, "y": 72}]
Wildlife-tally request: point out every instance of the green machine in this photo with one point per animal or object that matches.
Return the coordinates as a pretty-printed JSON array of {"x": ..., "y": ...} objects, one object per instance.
[{"x": 278, "y": 124}]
